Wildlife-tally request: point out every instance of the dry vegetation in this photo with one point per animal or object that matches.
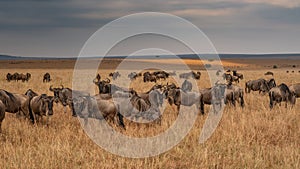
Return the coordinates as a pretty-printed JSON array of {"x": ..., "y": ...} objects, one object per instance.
[{"x": 253, "y": 137}]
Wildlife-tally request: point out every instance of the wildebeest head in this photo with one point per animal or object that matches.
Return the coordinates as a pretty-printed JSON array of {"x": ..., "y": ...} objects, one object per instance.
[
  {"x": 57, "y": 94},
  {"x": 173, "y": 96},
  {"x": 47, "y": 104}
]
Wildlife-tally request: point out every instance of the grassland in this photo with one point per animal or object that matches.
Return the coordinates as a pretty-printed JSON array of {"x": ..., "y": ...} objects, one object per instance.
[{"x": 253, "y": 137}]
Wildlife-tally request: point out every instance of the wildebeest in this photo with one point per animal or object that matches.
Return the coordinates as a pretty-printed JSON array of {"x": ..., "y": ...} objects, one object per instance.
[
  {"x": 148, "y": 77},
  {"x": 295, "y": 88},
  {"x": 260, "y": 85},
  {"x": 212, "y": 96},
  {"x": 218, "y": 72},
  {"x": 281, "y": 93},
  {"x": 105, "y": 87},
  {"x": 239, "y": 75},
  {"x": 15, "y": 103},
  {"x": 2, "y": 114},
  {"x": 132, "y": 75},
  {"x": 9, "y": 77},
  {"x": 238, "y": 93},
  {"x": 228, "y": 77},
  {"x": 23, "y": 77},
  {"x": 269, "y": 73},
  {"x": 30, "y": 93},
  {"x": 186, "y": 86},
  {"x": 195, "y": 75},
  {"x": 66, "y": 95},
  {"x": 114, "y": 75},
  {"x": 178, "y": 97},
  {"x": 46, "y": 77},
  {"x": 287, "y": 71},
  {"x": 97, "y": 108},
  {"x": 40, "y": 106}
]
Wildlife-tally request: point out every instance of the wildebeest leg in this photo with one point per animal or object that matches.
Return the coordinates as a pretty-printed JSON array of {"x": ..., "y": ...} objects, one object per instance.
[
  {"x": 242, "y": 102},
  {"x": 121, "y": 120},
  {"x": 65, "y": 109},
  {"x": 2, "y": 115},
  {"x": 73, "y": 110},
  {"x": 202, "y": 108}
]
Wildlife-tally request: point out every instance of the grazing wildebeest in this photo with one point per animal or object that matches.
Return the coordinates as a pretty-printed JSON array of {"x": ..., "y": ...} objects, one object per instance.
[
  {"x": 260, "y": 85},
  {"x": 40, "y": 106},
  {"x": 9, "y": 77},
  {"x": 2, "y": 114},
  {"x": 15, "y": 103},
  {"x": 281, "y": 93},
  {"x": 132, "y": 75},
  {"x": 114, "y": 75},
  {"x": 15, "y": 76},
  {"x": 24, "y": 77},
  {"x": 30, "y": 93},
  {"x": 47, "y": 77},
  {"x": 239, "y": 75},
  {"x": 295, "y": 88},
  {"x": 195, "y": 75},
  {"x": 97, "y": 108},
  {"x": 213, "y": 95},
  {"x": 66, "y": 95},
  {"x": 186, "y": 86},
  {"x": 269, "y": 73}
]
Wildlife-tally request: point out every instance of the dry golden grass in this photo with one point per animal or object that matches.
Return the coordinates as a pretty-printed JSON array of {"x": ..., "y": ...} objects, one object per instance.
[{"x": 253, "y": 137}]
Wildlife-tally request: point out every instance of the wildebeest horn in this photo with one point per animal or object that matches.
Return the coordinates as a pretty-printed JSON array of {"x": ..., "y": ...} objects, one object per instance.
[
  {"x": 51, "y": 88},
  {"x": 94, "y": 81},
  {"x": 107, "y": 80},
  {"x": 62, "y": 86}
]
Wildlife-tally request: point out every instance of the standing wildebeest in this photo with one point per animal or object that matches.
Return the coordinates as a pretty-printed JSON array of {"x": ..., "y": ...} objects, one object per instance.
[
  {"x": 295, "y": 88},
  {"x": 148, "y": 77},
  {"x": 2, "y": 114},
  {"x": 40, "y": 106},
  {"x": 105, "y": 87},
  {"x": 260, "y": 85},
  {"x": 9, "y": 77},
  {"x": 15, "y": 103},
  {"x": 269, "y": 73},
  {"x": 238, "y": 93},
  {"x": 186, "y": 86},
  {"x": 114, "y": 75},
  {"x": 30, "y": 93},
  {"x": 281, "y": 93},
  {"x": 66, "y": 95},
  {"x": 178, "y": 97},
  {"x": 213, "y": 95},
  {"x": 95, "y": 107},
  {"x": 47, "y": 77}
]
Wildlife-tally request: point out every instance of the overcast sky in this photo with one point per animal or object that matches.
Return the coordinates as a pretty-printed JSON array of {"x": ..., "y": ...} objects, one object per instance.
[{"x": 60, "y": 28}]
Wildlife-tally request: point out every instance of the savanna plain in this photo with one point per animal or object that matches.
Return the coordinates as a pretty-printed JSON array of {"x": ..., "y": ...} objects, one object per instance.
[{"x": 249, "y": 137}]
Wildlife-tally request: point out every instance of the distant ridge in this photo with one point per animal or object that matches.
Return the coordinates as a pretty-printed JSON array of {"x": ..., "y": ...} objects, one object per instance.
[{"x": 183, "y": 56}]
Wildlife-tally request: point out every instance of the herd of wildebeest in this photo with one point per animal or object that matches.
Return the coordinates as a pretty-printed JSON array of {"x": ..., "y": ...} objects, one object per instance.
[{"x": 114, "y": 102}]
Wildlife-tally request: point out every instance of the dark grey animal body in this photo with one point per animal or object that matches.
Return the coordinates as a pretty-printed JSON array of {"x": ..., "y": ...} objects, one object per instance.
[{"x": 281, "y": 93}]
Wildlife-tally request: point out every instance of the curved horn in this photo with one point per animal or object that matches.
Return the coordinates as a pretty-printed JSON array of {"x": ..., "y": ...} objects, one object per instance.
[
  {"x": 107, "y": 80},
  {"x": 51, "y": 89},
  {"x": 62, "y": 86}
]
